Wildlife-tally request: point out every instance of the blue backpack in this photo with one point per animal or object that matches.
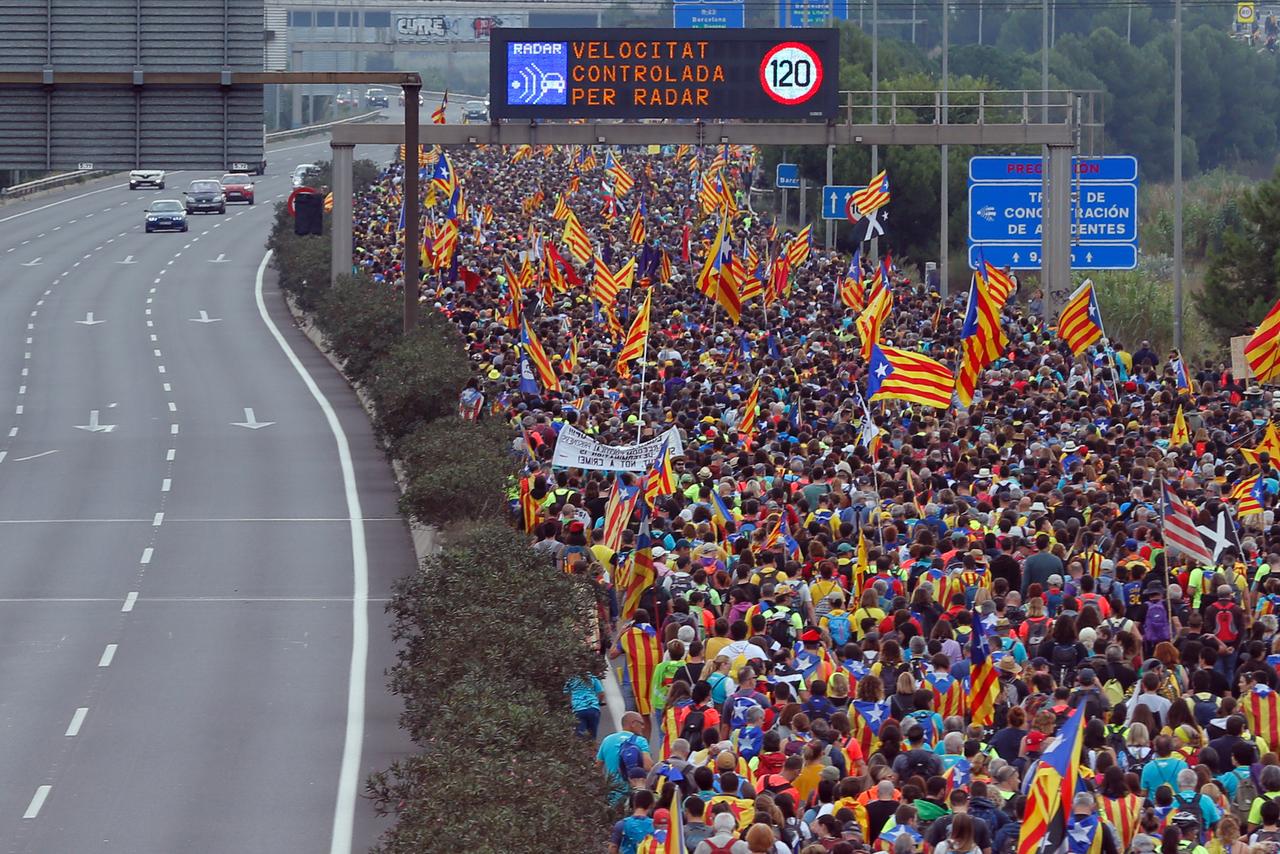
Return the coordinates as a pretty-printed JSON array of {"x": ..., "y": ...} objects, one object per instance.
[
  {"x": 839, "y": 627},
  {"x": 630, "y": 755}
]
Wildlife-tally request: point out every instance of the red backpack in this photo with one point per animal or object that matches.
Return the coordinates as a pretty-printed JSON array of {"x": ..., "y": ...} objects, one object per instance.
[{"x": 1224, "y": 623}]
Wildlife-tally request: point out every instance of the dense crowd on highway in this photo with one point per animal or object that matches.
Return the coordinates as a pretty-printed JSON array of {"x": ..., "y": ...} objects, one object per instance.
[{"x": 843, "y": 619}]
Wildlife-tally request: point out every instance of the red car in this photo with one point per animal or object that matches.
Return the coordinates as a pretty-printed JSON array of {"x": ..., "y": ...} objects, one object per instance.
[{"x": 237, "y": 188}]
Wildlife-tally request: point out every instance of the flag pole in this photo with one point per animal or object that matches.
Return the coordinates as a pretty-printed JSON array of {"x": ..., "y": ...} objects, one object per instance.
[{"x": 644, "y": 366}]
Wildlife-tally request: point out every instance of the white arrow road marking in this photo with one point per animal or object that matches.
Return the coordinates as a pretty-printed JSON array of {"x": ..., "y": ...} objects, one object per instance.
[
  {"x": 35, "y": 263},
  {"x": 93, "y": 426},
  {"x": 35, "y": 456},
  {"x": 204, "y": 318},
  {"x": 88, "y": 320},
  {"x": 128, "y": 259},
  {"x": 251, "y": 421},
  {"x": 221, "y": 259}
]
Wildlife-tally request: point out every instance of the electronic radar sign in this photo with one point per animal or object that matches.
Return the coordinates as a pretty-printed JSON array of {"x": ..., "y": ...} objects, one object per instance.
[{"x": 663, "y": 74}]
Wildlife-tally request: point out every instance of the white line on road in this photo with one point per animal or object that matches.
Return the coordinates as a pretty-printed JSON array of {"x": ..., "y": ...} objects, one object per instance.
[
  {"x": 154, "y": 338},
  {"x": 22, "y": 389},
  {"x": 107, "y": 655},
  {"x": 17, "y": 410},
  {"x": 160, "y": 368},
  {"x": 156, "y": 522},
  {"x": 129, "y": 601},
  {"x": 173, "y": 407},
  {"x": 168, "y": 457},
  {"x": 349, "y": 776},
  {"x": 167, "y": 387},
  {"x": 156, "y": 352},
  {"x": 173, "y": 429},
  {"x": 13, "y": 431},
  {"x": 37, "y": 800},
  {"x": 77, "y": 721},
  {"x": 3, "y": 454},
  {"x": 146, "y": 555},
  {"x": 166, "y": 484},
  {"x": 35, "y": 456}
]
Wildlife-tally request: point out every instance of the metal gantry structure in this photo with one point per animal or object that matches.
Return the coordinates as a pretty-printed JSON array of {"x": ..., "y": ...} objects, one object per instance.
[{"x": 1055, "y": 119}]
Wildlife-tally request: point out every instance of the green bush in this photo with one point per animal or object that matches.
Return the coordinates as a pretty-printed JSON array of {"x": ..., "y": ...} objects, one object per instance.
[
  {"x": 362, "y": 321},
  {"x": 419, "y": 379},
  {"x": 458, "y": 470}
]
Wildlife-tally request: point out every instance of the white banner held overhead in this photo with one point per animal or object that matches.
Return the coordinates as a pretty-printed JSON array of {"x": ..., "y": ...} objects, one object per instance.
[{"x": 575, "y": 449}]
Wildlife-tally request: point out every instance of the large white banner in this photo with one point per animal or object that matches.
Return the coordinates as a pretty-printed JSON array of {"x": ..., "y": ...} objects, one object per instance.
[{"x": 575, "y": 449}]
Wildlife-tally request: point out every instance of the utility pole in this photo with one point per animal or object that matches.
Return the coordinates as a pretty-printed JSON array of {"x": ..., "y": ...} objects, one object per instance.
[
  {"x": 1177, "y": 174},
  {"x": 946, "y": 218},
  {"x": 875, "y": 99}
]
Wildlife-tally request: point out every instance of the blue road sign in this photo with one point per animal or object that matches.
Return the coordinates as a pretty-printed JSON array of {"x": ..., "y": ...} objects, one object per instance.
[
  {"x": 1114, "y": 170},
  {"x": 1014, "y": 213},
  {"x": 834, "y": 198},
  {"x": 1085, "y": 256},
  {"x": 811, "y": 13},
  {"x": 788, "y": 177},
  {"x": 702, "y": 16}
]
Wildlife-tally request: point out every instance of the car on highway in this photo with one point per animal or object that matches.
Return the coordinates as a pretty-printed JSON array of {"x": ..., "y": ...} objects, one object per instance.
[
  {"x": 237, "y": 188},
  {"x": 475, "y": 111},
  {"x": 166, "y": 215},
  {"x": 376, "y": 98},
  {"x": 149, "y": 177},
  {"x": 304, "y": 171},
  {"x": 205, "y": 195},
  {"x": 402, "y": 99},
  {"x": 348, "y": 99}
]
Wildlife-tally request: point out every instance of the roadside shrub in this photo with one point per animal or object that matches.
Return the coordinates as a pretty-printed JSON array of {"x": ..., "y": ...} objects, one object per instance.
[
  {"x": 458, "y": 470},
  {"x": 362, "y": 322},
  {"x": 419, "y": 379}
]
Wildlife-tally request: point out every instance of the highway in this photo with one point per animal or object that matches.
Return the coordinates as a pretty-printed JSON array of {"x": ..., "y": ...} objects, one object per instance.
[{"x": 199, "y": 535}]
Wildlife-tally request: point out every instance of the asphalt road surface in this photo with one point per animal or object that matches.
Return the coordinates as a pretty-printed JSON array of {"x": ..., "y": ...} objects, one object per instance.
[{"x": 198, "y": 535}]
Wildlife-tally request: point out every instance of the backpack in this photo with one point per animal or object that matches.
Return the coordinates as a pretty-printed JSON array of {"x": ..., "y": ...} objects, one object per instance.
[
  {"x": 1037, "y": 630},
  {"x": 1116, "y": 625},
  {"x": 779, "y": 628},
  {"x": 1113, "y": 692},
  {"x": 738, "y": 709},
  {"x": 1204, "y": 707},
  {"x": 1133, "y": 765},
  {"x": 681, "y": 586},
  {"x": 1155, "y": 627},
  {"x": 1064, "y": 661},
  {"x": 1191, "y": 805},
  {"x": 1265, "y": 840},
  {"x": 716, "y": 680},
  {"x": 629, "y": 755},
  {"x": 889, "y": 674},
  {"x": 1246, "y": 794},
  {"x": 917, "y": 763},
  {"x": 1224, "y": 622},
  {"x": 727, "y": 848},
  {"x": 840, "y": 628},
  {"x": 692, "y": 726}
]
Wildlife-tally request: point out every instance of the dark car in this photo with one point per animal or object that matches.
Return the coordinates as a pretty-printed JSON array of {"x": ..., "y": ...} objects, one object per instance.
[
  {"x": 166, "y": 215},
  {"x": 375, "y": 98},
  {"x": 237, "y": 188},
  {"x": 475, "y": 111},
  {"x": 206, "y": 195}
]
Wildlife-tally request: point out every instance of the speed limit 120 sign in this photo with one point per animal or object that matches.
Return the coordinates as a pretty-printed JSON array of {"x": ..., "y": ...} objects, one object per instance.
[{"x": 791, "y": 73}]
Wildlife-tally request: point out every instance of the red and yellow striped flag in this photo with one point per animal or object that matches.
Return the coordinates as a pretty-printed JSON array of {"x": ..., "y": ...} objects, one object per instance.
[
  {"x": 800, "y": 245},
  {"x": 871, "y": 318},
  {"x": 575, "y": 237},
  {"x": 661, "y": 480},
  {"x": 982, "y": 340},
  {"x": 1262, "y": 351},
  {"x": 637, "y": 225},
  {"x": 562, "y": 209},
  {"x": 1080, "y": 323},
  {"x": 633, "y": 346},
  {"x": 1262, "y": 710},
  {"x": 1270, "y": 443},
  {"x": 546, "y": 372},
  {"x": 528, "y": 505},
  {"x": 984, "y": 681},
  {"x": 640, "y": 644},
  {"x": 747, "y": 423}
]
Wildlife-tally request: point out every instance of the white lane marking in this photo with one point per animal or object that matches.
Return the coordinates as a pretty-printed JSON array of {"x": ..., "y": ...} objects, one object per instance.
[
  {"x": 168, "y": 458},
  {"x": 173, "y": 407},
  {"x": 38, "y": 799},
  {"x": 76, "y": 264},
  {"x": 349, "y": 776},
  {"x": 30, "y": 326},
  {"x": 146, "y": 555},
  {"x": 152, "y": 291},
  {"x": 77, "y": 721},
  {"x": 28, "y": 340},
  {"x": 176, "y": 255},
  {"x": 157, "y": 352},
  {"x": 13, "y": 431},
  {"x": 150, "y": 300},
  {"x": 35, "y": 456},
  {"x": 107, "y": 655},
  {"x": 39, "y": 302},
  {"x": 55, "y": 228},
  {"x": 128, "y": 601},
  {"x": 147, "y": 312},
  {"x": 154, "y": 337},
  {"x": 72, "y": 221},
  {"x": 158, "y": 521},
  {"x": 24, "y": 371},
  {"x": 26, "y": 355},
  {"x": 22, "y": 389},
  {"x": 150, "y": 323},
  {"x": 167, "y": 387},
  {"x": 166, "y": 484},
  {"x": 160, "y": 368},
  {"x": 18, "y": 409},
  {"x": 3, "y": 454},
  {"x": 173, "y": 429},
  {"x": 157, "y": 281}
]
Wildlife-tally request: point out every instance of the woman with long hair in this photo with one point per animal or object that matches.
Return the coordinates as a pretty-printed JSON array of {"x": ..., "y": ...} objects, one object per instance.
[
  {"x": 960, "y": 838},
  {"x": 1119, "y": 806}
]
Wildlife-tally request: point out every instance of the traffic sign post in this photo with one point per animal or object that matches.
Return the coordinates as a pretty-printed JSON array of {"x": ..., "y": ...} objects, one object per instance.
[
  {"x": 705, "y": 16},
  {"x": 787, "y": 177},
  {"x": 835, "y": 200},
  {"x": 1006, "y": 212}
]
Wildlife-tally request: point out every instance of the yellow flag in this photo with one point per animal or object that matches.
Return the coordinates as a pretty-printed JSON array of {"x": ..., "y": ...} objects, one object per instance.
[{"x": 1180, "y": 435}]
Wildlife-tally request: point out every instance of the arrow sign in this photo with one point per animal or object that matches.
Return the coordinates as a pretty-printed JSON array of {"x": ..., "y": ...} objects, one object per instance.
[
  {"x": 93, "y": 426},
  {"x": 204, "y": 318},
  {"x": 128, "y": 259},
  {"x": 251, "y": 422},
  {"x": 221, "y": 259},
  {"x": 89, "y": 321},
  {"x": 35, "y": 263}
]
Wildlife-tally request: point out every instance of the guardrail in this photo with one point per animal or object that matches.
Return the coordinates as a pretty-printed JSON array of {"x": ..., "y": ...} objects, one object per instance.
[
  {"x": 50, "y": 182},
  {"x": 310, "y": 129}
]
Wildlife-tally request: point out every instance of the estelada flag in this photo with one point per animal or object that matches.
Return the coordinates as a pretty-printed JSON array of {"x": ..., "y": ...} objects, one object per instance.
[
  {"x": 1262, "y": 351},
  {"x": 948, "y": 694},
  {"x": 643, "y": 652},
  {"x": 1053, "y": 786}
]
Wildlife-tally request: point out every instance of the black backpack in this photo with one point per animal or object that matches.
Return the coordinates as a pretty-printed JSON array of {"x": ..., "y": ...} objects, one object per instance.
[
  {"x": 1191, "y": 806},
  {"x": 917, "y": 763},
  {"x": 779, "y": 628},
  {"x": 694, "y": 724},
  {"x": 1064, "y": 661}
]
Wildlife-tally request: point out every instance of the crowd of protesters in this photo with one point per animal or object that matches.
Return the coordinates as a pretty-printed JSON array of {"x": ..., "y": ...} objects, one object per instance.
[{"x": 816, "y": 691}]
